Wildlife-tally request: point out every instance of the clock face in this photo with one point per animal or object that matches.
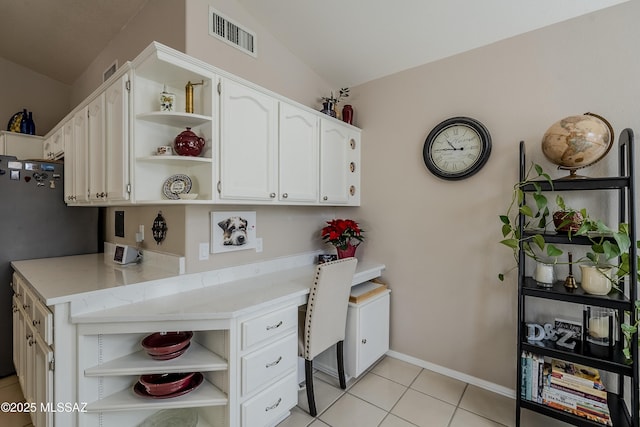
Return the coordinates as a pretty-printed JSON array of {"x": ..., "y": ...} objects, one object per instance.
[{"x": 457, "y": 148}]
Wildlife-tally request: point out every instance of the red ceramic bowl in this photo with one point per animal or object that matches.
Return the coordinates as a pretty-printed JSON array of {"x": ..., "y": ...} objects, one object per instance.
[
  {"x": 163, "y": 343},
  {"x": 162, "y": 384}
]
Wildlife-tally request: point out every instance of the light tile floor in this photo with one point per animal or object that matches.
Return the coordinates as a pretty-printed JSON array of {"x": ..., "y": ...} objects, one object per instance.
[
  {"x": 392, "y": 394},
  {"x": 398, "y": 394}
]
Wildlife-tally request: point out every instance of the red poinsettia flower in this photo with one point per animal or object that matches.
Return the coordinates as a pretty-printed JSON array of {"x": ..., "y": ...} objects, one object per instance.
[{"x": 342, "y": 232}]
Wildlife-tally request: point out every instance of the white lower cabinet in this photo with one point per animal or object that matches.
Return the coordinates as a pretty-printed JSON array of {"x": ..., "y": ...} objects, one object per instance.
[
  {"x": 366, "y": 338},
  {"x": 268, "y": 352},
  {"x": 32, "y": 354}
]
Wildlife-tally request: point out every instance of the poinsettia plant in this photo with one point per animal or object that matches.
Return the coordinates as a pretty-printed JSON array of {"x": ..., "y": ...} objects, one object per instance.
[{"x": 342, "y": 232}]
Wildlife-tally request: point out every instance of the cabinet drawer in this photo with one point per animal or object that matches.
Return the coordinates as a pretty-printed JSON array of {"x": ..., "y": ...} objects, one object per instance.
[
  {"x": 42, "y": 321},
  {"x": 28, "y": 301},
  {"x": 261, "y": 366},
  {"x": 268, "y": 326},
  {"x": 266, "y": 407}
]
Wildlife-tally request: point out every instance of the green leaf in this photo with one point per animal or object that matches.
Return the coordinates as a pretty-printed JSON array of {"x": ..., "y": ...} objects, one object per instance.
[
  {"x": 628, "y": 329},
  {"x": 538, "y": 169},
  {"x": 520, "y": 196},
  {"x": 623, "y": 241},
  {"x": 539, "y": 241},
  {"x": 610, "y": 250},
  {"x": 560, "y": 203},
  {"x": 512, "y": 243},
  {"x": 506, "y": 230},
  {"x": 553, "y": 251},
  {"x": 541, "y": 201},
  {"x": 505, "y": 219},
  {"x": 537, "y": 187},
  {"x": 526, "y": 211}
]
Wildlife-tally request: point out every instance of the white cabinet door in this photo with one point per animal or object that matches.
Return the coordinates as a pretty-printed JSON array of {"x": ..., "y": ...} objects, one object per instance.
[
  {"x": 297, "y": 155},
  {"x": 96, "y": 146},
  {"x": 247, "y": 143},
  {"x": 367, "y": 337},
  {"x": 334, "y": 166},
  {"x": 43, "y": 382},
  {"x": 116, "y": 119},
  {"x": 20, "y": 145},
  {"x": 53, "y": 146},
  {"x": 18, "y": 339},
  {"x": 78, "y": 163}
]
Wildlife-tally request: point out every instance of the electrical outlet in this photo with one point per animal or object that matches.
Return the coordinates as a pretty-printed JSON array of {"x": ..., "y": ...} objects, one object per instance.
[
  {"x": 204, "y": 252},
  {"x": 259, "y": 244}
]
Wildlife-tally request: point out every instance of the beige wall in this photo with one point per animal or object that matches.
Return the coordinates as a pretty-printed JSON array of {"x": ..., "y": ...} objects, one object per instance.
[
  {"x": 275, "y": 68},
  {"x": 22, "y": 88},
  {"x": 438, "y": 238},
  {"x": 159, "y": 20}
]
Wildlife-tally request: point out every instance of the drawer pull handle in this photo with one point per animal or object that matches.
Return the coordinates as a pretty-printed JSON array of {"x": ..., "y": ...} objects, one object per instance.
[
  {"x": 276, "y": 326},
  {"x": 274, "y": 363},
  {"x": 274, "y": 406},
  {"x": 35, "y": 322}
]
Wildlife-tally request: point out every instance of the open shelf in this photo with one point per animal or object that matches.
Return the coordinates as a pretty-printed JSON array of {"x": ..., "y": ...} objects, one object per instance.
[
  {"x": 195, "y": 359},
  {"x": 126, "y": 400},
  {"x": 177, "y": 119},
  {"x": 617, "y": 408},
  {"x": 184, "y": 159},
  {"x": 558, "y": 292},
  {"x": 585, "y": 353},
  {"x": 607, "y": 183}
]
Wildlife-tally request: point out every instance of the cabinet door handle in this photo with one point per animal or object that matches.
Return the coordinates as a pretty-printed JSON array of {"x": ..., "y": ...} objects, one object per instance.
[
  {"x": 35, "y": 322},
  {"x": 364, "y": 341},
  {"x": 285, "y": 195},
  {"x": 32, "y": 341},
  {"x": 276, "y": 326},
  {"x": 26, "y": 306},
  {"x": 274, "y": 363},
  {"x": 272, "y": 195},
  {"x": 325, "y": 198},
  {"x": 274, "y": 406}
]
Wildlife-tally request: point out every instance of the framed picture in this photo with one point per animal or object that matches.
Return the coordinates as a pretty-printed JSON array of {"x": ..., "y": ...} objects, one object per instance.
[{"x": 232, "y": 231}]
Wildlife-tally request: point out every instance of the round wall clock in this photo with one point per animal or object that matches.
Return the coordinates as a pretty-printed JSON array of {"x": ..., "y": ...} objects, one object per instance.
[{"x": 457, "y": 148}]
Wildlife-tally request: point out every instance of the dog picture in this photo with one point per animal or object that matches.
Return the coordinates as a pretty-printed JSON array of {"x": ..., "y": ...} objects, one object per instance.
[{"x": 234, "y": 231}]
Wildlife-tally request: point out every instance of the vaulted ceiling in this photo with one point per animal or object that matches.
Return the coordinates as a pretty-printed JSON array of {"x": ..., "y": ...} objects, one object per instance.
[{"x": 347, "y": 42}]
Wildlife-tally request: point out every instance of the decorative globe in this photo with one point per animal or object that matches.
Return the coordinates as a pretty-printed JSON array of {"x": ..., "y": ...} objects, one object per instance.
[{"x": 577, "y": 141}]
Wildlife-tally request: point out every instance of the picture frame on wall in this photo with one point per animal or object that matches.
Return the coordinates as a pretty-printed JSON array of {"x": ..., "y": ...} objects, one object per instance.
[{"x": 233, "y": 231}]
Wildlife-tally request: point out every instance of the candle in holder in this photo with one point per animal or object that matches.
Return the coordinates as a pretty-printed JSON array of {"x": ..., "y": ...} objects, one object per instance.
[
  {"x": 600, "y": 323},
  {"x": 544, "y": 274}
]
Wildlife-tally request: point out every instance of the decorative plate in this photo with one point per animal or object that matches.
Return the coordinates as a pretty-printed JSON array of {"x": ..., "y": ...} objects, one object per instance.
[
  {"x": 176, "y": 184},
  {"x": 196, "y": 380}
]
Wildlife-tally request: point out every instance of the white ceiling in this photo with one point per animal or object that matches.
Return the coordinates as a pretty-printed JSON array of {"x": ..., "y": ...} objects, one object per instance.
[{"x": 347, "y": 42}]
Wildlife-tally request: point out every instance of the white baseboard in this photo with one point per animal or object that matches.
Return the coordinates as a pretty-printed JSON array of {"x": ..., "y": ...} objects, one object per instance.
[{"x": 487, "y": 385}]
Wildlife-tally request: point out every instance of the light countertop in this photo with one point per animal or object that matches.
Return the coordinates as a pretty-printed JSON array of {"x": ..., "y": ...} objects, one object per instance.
[{"x": 102, "y": 291}]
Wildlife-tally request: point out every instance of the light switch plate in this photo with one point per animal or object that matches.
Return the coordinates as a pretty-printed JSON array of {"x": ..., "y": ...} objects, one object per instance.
[
  {"x": 204, "y": 252},
  {"x": 259, "y": 244}
]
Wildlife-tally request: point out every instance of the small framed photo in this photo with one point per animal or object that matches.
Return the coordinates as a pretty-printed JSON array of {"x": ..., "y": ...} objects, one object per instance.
[
  {"x": 232, "y": 231},
  {"x": 569, "y": 325}
]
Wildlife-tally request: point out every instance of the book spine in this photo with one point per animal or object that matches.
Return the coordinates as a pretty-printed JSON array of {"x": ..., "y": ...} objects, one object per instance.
[
  {"x": 523, "y": 375},
  {"x": 561, "y": 407},
  {"x": 575, "y": 400},
  {"x": 583, "y": 391},
  {"x": 578, "y": 380},
  {"x": 529, "y": 372},
  {"x": 534, "y": 377}
]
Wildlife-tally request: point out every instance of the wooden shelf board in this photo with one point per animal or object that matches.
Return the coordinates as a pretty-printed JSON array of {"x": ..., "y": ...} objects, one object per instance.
[{"x": 195, "y": 359}]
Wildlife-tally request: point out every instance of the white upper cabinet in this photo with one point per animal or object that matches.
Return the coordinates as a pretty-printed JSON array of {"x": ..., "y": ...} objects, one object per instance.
[
  {"x": 248, "y": 132},
  {"x": 339, "y": 163},
  {"x": 53, "y": 146},
  {"x": 79, "y": 159},
  {"x": 96, "y": 145},
  {"x": 20, "y": 145},
  {"x": 116, "y": 138},
  {"x": 297, "y": 155}
]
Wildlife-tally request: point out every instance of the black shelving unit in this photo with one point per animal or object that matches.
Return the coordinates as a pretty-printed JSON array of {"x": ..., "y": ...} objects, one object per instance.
[{"x": 624, "y": 409}]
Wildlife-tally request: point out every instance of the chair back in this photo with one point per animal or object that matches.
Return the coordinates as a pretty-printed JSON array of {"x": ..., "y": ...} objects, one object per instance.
[{"x": 326, "y": 317}]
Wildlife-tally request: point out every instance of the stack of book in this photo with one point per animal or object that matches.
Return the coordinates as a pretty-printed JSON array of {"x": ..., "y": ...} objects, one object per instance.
[{"x": 576, "y": 389}]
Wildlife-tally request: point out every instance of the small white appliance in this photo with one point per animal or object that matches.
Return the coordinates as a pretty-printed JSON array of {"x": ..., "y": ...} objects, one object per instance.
[{"x": 125, "y": 254}]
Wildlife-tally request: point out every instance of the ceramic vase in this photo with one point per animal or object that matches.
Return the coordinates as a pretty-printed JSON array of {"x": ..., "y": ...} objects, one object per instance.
[
  {"x": 347, "y": 114},
  {"x": 328, "y": 109},
  {"x": 596, "y": 280},
  {"x": 349, "y": 252}
]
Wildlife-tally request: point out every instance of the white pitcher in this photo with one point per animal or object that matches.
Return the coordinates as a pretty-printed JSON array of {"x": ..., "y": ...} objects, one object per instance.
[{"x": 596, "y": 280}]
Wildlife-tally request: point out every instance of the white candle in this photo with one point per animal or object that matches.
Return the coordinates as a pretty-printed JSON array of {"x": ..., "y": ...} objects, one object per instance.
[
  {"x": 544, "y": 273},
  {"x": 599, "y": 327}
]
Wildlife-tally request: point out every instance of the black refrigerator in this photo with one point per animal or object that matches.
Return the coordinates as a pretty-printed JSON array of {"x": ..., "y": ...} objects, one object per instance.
[{"x": 36, "y": 223}]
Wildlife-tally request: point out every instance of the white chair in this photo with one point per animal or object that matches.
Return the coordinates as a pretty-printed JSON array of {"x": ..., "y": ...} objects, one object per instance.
[{"x": 324, "y": 321}]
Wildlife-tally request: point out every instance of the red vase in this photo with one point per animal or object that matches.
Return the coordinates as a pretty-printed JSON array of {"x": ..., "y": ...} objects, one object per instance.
[
  {"x": 347, "y": 114},
  {"x": 347, "y": 253}
]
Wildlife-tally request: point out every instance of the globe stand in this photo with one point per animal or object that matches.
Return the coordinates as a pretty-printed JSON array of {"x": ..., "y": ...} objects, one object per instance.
[{"x": 572, "y": 173}]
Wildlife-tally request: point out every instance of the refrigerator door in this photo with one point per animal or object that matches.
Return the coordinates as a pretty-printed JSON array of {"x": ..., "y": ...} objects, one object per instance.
[{"x": 36, "y": 223}]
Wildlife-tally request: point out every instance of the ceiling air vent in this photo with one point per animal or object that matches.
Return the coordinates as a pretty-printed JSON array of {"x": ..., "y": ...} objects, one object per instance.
[{"x": 231, "y": 33}]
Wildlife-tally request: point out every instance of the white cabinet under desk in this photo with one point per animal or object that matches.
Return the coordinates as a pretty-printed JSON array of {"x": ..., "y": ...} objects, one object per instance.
[{"x": 244, "y": 321}]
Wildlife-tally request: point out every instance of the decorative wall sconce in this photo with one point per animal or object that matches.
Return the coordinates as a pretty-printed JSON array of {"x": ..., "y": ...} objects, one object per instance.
[{"x": 159, "y": 228}]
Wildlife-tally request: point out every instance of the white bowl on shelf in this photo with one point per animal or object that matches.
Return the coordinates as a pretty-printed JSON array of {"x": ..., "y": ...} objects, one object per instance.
[{"x": 188, "y": 196}]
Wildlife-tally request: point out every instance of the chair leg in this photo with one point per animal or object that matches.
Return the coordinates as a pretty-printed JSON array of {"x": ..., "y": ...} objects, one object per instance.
[
  {"x": 343, "y": 383},
  {"x": 308, "y": 377}
]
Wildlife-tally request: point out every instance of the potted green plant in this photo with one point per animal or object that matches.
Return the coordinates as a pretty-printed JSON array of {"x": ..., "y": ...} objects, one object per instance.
[{"x": 533, "y": 243}]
